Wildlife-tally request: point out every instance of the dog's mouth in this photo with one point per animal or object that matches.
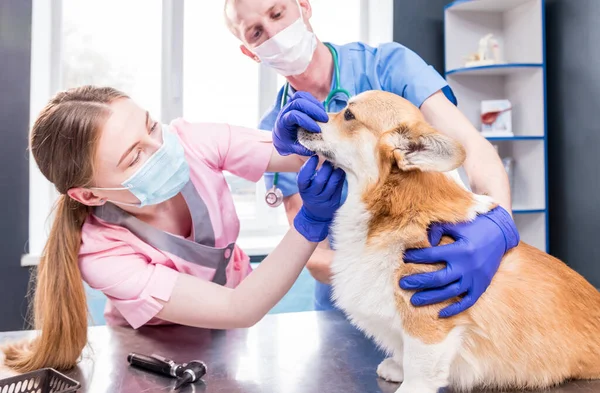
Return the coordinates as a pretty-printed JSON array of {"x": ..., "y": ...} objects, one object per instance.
[{"x": 314, "y": 141}]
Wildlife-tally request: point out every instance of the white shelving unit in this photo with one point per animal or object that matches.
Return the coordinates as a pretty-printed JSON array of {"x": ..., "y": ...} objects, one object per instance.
[{"x": 519, "y": 27}]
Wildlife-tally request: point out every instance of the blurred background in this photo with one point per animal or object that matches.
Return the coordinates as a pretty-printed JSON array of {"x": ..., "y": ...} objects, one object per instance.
[{"x": 176, "y": 58}]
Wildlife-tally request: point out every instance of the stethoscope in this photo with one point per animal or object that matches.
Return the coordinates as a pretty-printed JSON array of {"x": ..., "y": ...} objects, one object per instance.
[{"x": 274, "y": 196}]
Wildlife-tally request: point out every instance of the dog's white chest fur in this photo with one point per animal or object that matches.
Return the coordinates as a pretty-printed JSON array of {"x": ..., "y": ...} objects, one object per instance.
[
  {"x": 364, "y": 287},
  {"x": 363, "y": 278}
]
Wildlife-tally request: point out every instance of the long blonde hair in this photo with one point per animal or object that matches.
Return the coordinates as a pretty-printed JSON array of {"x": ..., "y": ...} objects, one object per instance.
[{"x": 63, "y": 143}]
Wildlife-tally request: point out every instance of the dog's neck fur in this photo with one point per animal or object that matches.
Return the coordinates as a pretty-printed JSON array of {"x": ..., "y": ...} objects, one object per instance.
[{"x": 406, "y": 203}]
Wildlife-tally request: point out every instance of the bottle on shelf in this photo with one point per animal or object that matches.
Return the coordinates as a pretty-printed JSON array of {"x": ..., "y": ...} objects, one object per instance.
[{"x": 508, "y": 163}]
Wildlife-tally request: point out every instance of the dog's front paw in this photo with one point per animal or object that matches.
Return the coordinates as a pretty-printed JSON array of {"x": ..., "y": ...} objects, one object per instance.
[
  {"x": 416, "y": 387},
  {"x": 390, "y": 370}
]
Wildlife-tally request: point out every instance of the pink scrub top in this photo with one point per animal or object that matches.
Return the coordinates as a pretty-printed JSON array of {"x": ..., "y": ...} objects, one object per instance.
[{"x": 133, "y": 274}]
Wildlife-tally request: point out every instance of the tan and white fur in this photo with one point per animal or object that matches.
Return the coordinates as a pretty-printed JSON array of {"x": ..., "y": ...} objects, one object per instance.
[{"x": 538, "y": 323}]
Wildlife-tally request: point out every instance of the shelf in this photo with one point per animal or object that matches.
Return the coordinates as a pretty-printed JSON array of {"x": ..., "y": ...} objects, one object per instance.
[
  {"x": 515, "y": 24},
  {"x": 518, "y": 28},
  {"x": 514, "y": 138},
  {"x": 497, "y": 69},
  {"x": 524, "y": 89},
  {"x": 528, "y": 211},
  {"x": 484, "y": 5},
  {"x": 529, "y": 180},
  {"x": 532, "y": 229}
]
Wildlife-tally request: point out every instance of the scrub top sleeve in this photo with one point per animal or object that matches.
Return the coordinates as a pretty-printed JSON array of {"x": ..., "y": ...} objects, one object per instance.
[
  {"x": 245, "y": 152},
  {"x": 248, "y": 152},
  {"x": 129, "y": 281},
  {"x": 403, "y": 72}
]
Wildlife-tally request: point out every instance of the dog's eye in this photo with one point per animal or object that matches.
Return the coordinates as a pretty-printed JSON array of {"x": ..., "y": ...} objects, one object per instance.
[{"x": 348, "y": 115}]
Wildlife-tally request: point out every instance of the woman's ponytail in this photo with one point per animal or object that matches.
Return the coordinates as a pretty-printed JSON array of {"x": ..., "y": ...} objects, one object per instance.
[
  {"x": 59, "y": 306},
  {"x": 63, "y": 142}
]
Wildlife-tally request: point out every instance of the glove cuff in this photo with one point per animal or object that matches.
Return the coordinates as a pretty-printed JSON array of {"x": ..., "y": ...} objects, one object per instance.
[
  {"x": 506, "y": 224},
  {"x": 313, "y": 229}
]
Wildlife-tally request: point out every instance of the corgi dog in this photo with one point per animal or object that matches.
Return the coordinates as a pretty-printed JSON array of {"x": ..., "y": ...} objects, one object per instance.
[{"x": 537, "y": 324}]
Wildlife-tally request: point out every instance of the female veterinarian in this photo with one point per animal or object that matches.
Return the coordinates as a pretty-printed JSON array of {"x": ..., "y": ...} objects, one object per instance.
[
  {"x": 145, "y": 216},
  {"x": 278, "y": 33}
]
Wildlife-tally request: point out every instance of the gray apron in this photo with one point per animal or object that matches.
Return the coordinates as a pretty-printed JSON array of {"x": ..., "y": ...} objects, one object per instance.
[{"x": 201, "y": 251}]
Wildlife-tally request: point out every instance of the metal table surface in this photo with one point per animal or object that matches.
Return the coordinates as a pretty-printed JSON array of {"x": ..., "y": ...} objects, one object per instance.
[{"x": 308, "y": 352}]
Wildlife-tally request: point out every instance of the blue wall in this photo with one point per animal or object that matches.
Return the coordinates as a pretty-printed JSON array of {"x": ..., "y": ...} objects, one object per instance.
[
  {"x": 573, "y": 79},
  {"x": 419, "y": 25}
]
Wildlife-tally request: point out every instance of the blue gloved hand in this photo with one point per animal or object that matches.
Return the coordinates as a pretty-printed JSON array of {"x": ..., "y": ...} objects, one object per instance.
[
  {"x": 302, "y": 110},
  {"x": 321, "y": 196},
  {"x": 471, "y": 261}
]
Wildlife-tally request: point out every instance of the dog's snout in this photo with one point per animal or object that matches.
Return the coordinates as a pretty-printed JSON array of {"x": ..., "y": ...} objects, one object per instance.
[
  {"x": 308, "y": 135},
  {"x": 311, "y": 140}
]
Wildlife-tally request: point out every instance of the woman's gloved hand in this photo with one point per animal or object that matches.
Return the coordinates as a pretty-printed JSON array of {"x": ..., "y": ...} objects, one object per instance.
[
  {"x": 302, "y": 110},
  {"x": 321, "y": 196},
  {"x": 471, "y": 261}
]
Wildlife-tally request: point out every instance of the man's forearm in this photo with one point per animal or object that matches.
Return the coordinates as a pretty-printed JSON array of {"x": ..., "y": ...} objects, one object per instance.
[
  {"x": 319, "y": 264},
  {"x": 487, "y": 174}
]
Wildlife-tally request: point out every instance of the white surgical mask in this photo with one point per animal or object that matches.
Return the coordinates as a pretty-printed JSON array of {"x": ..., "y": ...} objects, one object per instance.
[{"x": 290, "y": 51}]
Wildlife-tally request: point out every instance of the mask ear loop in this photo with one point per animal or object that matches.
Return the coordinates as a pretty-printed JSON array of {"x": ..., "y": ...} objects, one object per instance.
[
  {"x": 300, "y": 9},
  {"x": 104, "y": 200}
]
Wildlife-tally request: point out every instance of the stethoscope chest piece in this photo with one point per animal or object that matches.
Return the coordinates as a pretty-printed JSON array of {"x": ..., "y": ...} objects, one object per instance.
[{"x": 274, "y": 197}]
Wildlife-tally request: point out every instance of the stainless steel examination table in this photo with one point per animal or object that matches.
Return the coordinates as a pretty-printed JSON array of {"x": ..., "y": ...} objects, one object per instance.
[{"x": 309, "y": 352}]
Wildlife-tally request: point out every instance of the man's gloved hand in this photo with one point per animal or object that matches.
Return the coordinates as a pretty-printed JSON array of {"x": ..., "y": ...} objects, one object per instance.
[
  {"x": 302, "y": 110},
  {"x": 472, "y": 260},
  {"x": 321, "y": 197}
]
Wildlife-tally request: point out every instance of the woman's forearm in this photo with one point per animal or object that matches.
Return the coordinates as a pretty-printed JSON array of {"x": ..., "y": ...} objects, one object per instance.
[
  {"x": 273, "y": 277},
  {"x": 291, "y": 163},
  {"x": 200, "y": 303}
]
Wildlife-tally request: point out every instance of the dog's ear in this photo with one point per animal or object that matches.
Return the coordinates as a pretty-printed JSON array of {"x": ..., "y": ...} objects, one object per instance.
[{"x": 420, "y": 147}]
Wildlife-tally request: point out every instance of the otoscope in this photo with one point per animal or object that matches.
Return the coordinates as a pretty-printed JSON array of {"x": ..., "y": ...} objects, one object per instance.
[{"x": 186, "y": 373}]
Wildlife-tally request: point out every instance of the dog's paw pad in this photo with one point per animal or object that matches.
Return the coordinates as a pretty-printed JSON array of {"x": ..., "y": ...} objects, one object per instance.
[{"x": 390, "y": 370}]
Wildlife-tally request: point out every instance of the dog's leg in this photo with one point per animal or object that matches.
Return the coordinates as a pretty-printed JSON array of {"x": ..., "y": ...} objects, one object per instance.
[
  {"x": 390, "y": 340},
  {"x": 391, "y": 368},
  {"x": 427, "y": 366}
]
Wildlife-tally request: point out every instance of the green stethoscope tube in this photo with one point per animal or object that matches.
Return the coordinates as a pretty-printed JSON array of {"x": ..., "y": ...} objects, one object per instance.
[{"x": 337, "y": 89}]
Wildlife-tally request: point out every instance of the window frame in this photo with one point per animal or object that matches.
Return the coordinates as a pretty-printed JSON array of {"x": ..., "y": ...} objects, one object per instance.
[{"x": 257, "y": 237}]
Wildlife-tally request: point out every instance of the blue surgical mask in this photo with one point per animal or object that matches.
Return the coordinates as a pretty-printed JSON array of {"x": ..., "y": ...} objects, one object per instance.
[{"x": 161, "y": 177}]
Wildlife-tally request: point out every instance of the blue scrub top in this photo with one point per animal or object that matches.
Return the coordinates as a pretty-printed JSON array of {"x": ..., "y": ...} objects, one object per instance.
[{"x": 390, "y": 67}]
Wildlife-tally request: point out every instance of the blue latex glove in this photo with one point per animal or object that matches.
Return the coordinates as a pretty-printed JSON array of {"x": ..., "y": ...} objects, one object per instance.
[
  {"x": 471, "y": 261},
  {"x": 321, "y": 196},
  {"x": 302, "y": 110}
]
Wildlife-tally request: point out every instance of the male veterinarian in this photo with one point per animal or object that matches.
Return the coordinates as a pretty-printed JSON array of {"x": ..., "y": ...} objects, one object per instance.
[{"x": 278, "y": 33}]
